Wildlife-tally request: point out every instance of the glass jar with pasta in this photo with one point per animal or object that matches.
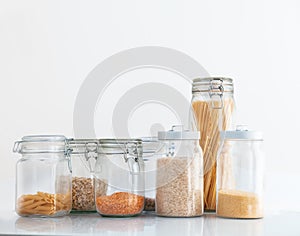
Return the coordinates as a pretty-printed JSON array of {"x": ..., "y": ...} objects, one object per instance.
[
  {"x": 43, "y": 176},
  {"x": 213, "y": 105}
]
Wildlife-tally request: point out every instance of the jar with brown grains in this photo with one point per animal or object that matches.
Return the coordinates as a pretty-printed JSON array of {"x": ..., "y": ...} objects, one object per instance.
[
  {"x": 179, "y": 175},
  {"x": 120, "y": 165},
  {"x": 240, "y": 175},
  {"x": 84, "y": 153}
]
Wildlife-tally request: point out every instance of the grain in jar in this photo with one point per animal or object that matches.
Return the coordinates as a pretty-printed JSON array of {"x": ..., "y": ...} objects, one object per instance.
[
  {"x": 240, "y": 187},
  {"x": 180, "y": 175},
  {"x": 120, "y": 165}
]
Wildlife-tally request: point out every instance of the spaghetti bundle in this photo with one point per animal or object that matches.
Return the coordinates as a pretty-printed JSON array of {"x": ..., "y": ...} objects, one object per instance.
[
  {"x": 209, "y": 122},
  {"x": 43, "y": 204}
]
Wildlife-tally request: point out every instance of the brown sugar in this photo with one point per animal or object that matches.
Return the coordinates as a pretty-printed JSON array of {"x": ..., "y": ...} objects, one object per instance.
[
  {"x": 120, "y": 204},
  {"x": 239, "y": 204}
]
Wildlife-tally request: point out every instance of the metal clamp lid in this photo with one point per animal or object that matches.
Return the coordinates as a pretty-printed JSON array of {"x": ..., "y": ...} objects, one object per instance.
[{"x": 32, "y": 144}]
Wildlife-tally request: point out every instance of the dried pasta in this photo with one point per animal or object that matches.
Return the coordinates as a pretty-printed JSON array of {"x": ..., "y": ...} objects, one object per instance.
[
  {"x": 43, "y": 204},
  {"x": 209, "y": 122}
]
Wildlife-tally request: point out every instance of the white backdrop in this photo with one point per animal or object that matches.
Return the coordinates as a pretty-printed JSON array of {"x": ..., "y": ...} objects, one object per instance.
[{"x": 47, "y": 48}]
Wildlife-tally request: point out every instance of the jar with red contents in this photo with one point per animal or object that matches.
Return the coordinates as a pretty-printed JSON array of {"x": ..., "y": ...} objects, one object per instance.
[{"x": 120, "y": 167}]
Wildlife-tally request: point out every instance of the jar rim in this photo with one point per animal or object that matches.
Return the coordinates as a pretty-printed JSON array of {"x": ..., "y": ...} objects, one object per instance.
[
  {"x": 33, "y": 144},
  {"x": 212, "y": 84}
]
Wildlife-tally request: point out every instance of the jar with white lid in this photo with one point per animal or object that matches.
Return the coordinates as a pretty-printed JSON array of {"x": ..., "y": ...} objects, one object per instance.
[
  {"x": 43, "y": 176},
  {"x": 120, "y": 167},
  {"x": 213, "y": 105},
  {"x": 84, "y": 153},
  {"x": 179, "y": 177},
  {"x": 240, "y": 175}
]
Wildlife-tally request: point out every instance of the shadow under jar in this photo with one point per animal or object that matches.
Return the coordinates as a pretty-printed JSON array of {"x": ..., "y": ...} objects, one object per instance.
[
  {"x": 43, "y": 176},
  {"x": 120, "y": 167}
]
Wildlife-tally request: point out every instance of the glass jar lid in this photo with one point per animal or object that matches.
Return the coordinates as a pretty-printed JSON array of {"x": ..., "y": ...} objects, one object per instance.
[
  {"x": 174, "y": 134},
  {"x": 212, "y": 85},
  {"x": 41, "y": 144},
  {"x": 242, "y": 133}
]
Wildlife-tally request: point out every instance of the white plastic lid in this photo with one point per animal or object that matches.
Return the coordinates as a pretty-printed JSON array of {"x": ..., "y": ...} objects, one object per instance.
[
  {"x": 178, "y": 134},
  {"x": 242, "y": 133}
]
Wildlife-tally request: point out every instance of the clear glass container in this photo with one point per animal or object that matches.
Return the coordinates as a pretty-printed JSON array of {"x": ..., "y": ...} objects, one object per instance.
[
  {"x": 120, "y": 167},
  {"x": 179, "y": 177},
  {"x": 152, "y": 149},
  {"x": 84, "y": 153},
  {"x": 213, "y": 105},
  {"x": 240, "y": 175},
  {"x": 43, "y": 176}
]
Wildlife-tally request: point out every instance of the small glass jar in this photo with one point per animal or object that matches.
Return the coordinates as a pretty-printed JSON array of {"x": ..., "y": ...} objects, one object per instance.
[
  {"x": 83, "y": 153},
  {"x": 43, "y": 176},
  {"x": 152, "y": 149},
  {"x": 179, "y": 177},
  {"x": 213, "y": 105},
  {"x": 120, "y": 167},
  {"x": 240, "y": 175}
]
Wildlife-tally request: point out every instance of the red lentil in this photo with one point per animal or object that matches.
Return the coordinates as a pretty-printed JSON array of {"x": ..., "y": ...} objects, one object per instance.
[{"x": 120, "y": 204}]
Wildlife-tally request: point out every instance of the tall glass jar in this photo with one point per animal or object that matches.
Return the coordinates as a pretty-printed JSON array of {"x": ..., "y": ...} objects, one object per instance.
[
  {"x": 240, "y": 175},
  {"x": 84, "y": 154},
  {"x": 213, "y": 105},
  {"x": 120, "y": 167},
  {"x": 43, "y": 176},
  {"x": 179, "y": 178}
]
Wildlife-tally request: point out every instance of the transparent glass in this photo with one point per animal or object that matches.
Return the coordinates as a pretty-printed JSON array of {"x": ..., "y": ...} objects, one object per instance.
[
  {"x": 179, "y": 179},
  {"x": 43, "y": 185},
  {"x": 83, "y": 154},
  {"x": 152, "y": 149},
  {"x": 240, "y": 178},
  {"x": 213, "y": 105},
  {"x": 119, "y": 176}
]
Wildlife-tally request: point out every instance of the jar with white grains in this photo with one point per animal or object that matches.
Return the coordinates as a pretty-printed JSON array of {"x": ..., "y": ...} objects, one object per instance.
[{"x": 179, "y": 178}]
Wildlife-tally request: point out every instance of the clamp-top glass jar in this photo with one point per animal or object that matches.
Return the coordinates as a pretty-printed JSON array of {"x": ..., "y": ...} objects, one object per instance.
[
  {"x": 240, "y": 176},
  {"x": 179, "y": 178},
  {"x": 213, "y": 106},
  {"x": 43, "y": 176},
  {"x": 84, "y": 153},
  {"x": 120, "y": 167}
]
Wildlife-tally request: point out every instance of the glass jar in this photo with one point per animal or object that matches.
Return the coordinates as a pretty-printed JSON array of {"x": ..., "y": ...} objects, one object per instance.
[
  {"x": 43, "y": 176},
  {"x": 152, "y": 149},
  {"x": 84, "y": 154},
  {"x": 213, "y": 106},
  {"x": 179, "y": 177},
  {"x": 240, "y": 174},
  {"x": 120, "y": 167}
]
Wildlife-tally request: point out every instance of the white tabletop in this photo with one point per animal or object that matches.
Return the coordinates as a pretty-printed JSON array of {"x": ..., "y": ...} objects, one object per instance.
[{"x": 285, "y": 223}]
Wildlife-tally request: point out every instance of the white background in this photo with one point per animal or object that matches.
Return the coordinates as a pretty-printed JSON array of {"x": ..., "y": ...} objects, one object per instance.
[{"x": 47, "y": 48}]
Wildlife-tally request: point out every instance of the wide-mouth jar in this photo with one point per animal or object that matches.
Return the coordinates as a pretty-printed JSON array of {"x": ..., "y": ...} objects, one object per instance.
[
  {"x": 43, "y": 176},
  {"x": 120, "y": 168}
]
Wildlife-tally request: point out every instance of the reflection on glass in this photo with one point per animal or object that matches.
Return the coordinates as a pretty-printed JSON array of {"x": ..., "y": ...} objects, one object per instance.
[
  {"x": 179, "y": 226},
  {"x": 239, "y": 227},
  {"x": 44, "y": 225}
]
